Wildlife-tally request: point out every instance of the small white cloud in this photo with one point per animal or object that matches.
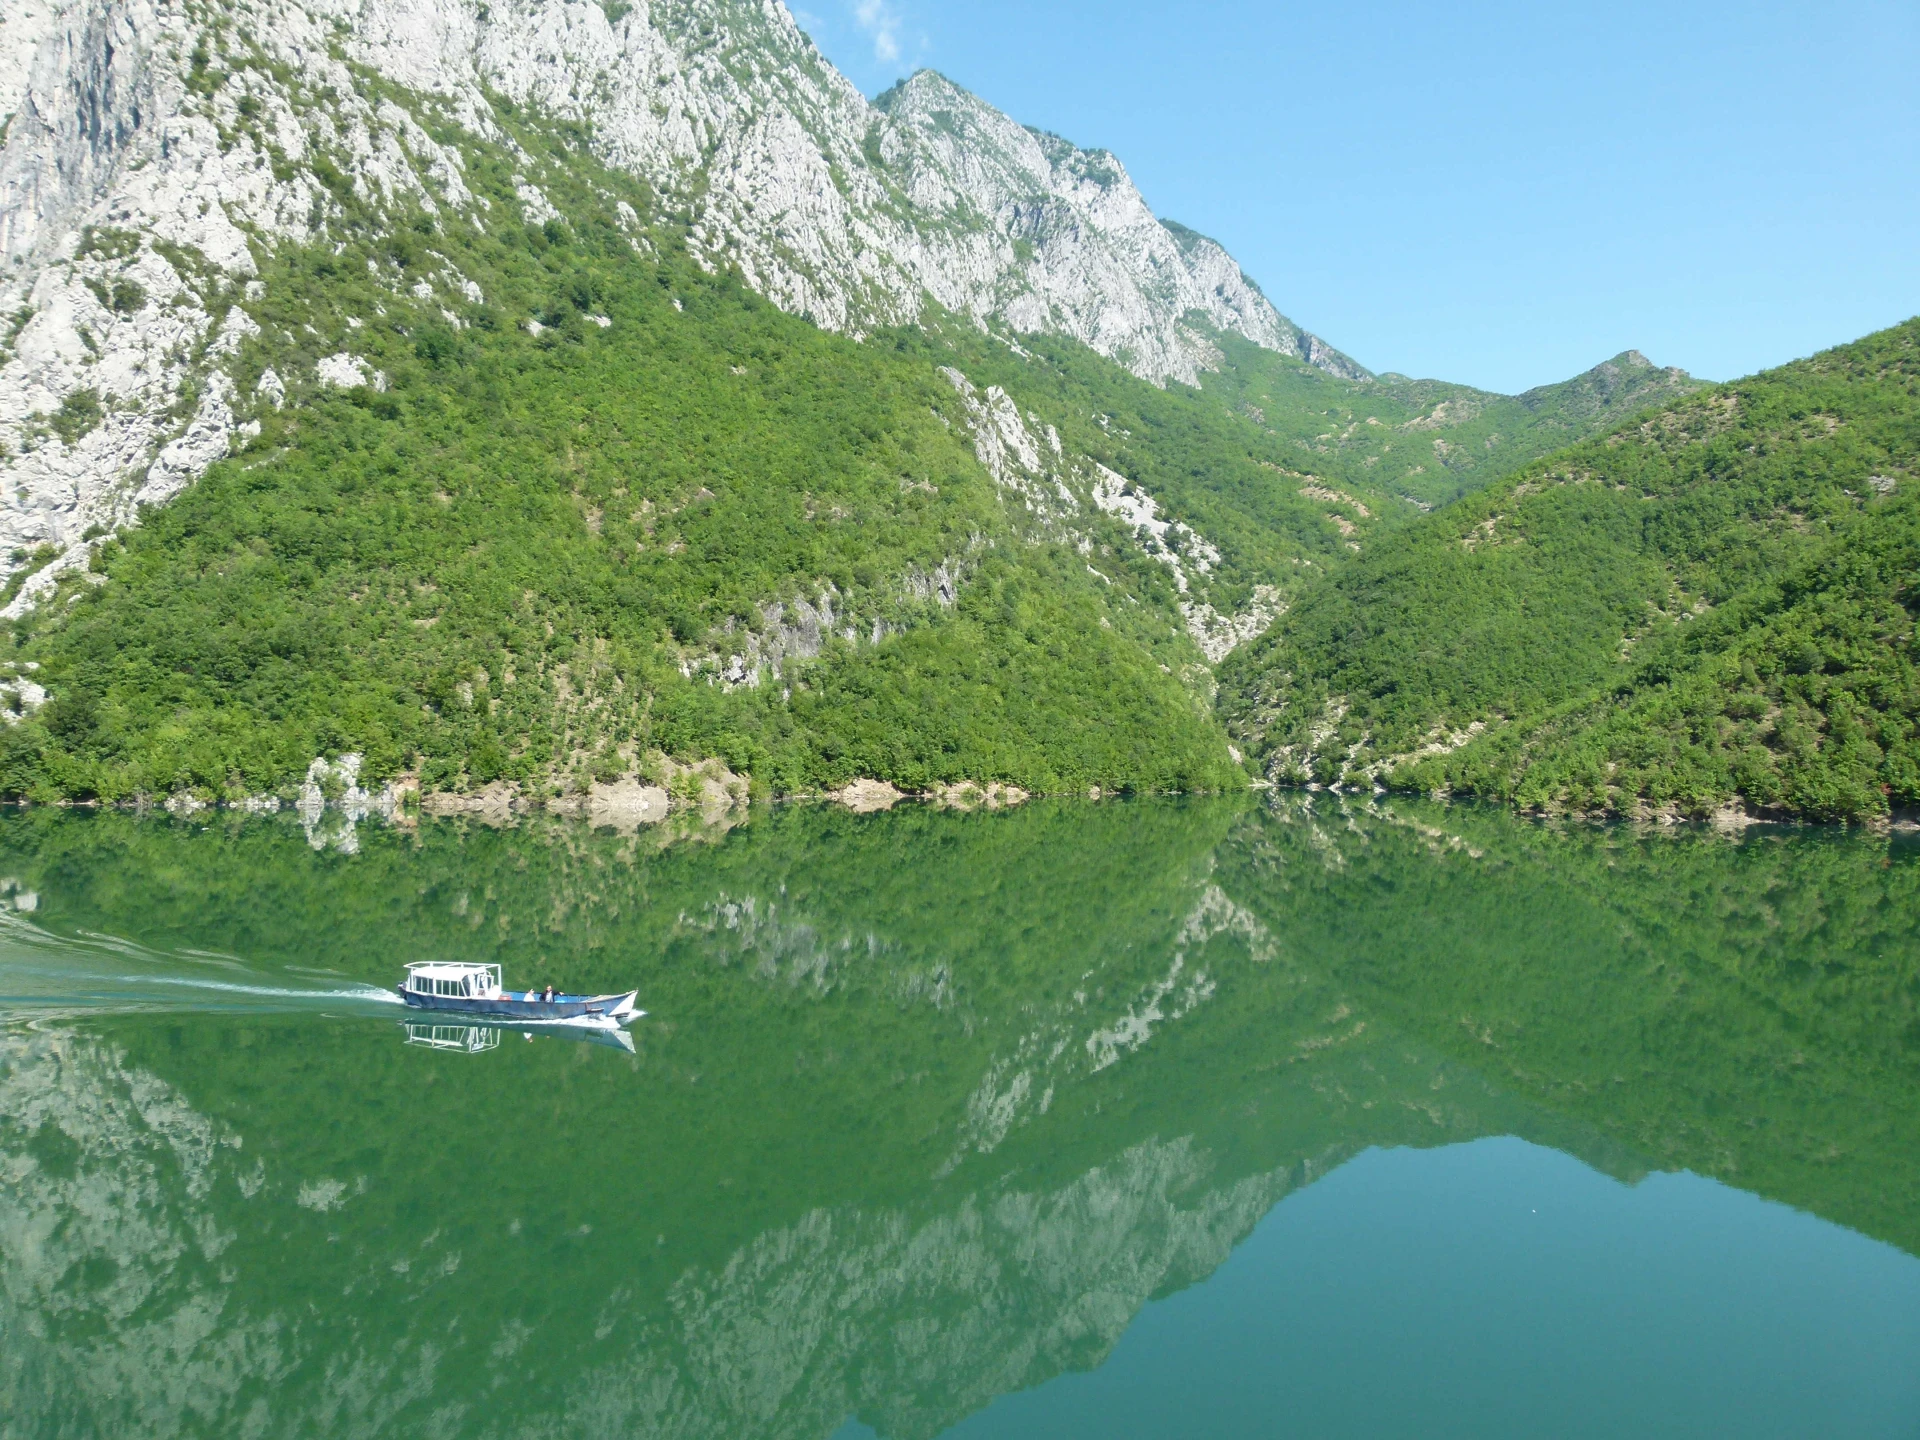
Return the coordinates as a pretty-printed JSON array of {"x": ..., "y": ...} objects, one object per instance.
[{"x": 881, "y": 23}]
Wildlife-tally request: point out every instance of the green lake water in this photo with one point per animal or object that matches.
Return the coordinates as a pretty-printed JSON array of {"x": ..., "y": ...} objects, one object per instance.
[{"x": 1249, "y": 1117}]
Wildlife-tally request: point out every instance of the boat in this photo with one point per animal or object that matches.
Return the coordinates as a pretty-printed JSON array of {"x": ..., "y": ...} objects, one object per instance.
[{"x": 475, "y": 990}]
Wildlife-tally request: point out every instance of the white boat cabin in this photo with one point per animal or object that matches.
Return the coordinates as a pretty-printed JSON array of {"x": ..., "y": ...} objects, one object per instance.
[{"x": 454, "y": 981}]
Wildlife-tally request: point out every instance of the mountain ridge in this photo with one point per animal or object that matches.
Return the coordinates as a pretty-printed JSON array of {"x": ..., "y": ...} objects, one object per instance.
[
  {"x": 221, "y": 133},
  {"x": 1710, "y": 606},
  {"x": 1430, "y": 441},
  {"x": 450, "y": 385}
]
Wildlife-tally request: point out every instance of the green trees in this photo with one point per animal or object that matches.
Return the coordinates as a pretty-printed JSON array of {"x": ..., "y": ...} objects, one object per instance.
[
  {"x": 1393, "y": 440},
  {"x": 1716, "y": 601},
  {"x": 589, "y": 498},
  {"x": 540, "y": 534}
]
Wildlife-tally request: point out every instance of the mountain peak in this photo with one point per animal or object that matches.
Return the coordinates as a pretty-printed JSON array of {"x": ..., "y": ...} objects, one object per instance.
[
  {"x": 1629, "y": 381},
  {"x": 925, "y": 85},
  {"x": 1073, "y": 246}
]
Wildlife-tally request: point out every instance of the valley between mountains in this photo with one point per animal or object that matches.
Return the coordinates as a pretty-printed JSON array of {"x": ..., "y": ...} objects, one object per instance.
[{"x": 539, "y": 395}]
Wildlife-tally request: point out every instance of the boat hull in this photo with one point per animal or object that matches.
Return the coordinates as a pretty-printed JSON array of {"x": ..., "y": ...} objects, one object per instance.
[{"x": 576, "y": 1008}]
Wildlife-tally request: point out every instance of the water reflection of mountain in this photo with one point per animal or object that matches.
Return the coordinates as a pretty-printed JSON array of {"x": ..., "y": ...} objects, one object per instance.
[
  {"x": 167, "y": 1271},
  {"x": 935, "y": 1106},
  {"x": 1743, "y": 1007}
]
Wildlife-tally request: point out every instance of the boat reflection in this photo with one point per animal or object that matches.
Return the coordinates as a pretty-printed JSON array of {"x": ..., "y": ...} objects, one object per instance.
[{"x": 472, "y": 1039}]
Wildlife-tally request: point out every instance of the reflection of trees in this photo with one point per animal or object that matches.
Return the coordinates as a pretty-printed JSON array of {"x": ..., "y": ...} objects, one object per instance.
[
  {"x": 130, "y": 1308},
  {"x": 298, "y": 1293},
  {"x": 1746, "y": 1007},
  {"x": 938, "y": 1105}
]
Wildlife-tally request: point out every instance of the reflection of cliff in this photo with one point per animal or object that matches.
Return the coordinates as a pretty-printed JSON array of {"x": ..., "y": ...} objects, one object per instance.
[
  {"x": 914, "y": 1326},
  {"x": 129, "y": 1309},
  {"x": 111, "y": 1305},
  {"x": 1114, "y": 1009},
  {"x": 932, "y": 1106},
  {"x": 334, "y": 1312},
  {"x": 313, "y": 1261}
]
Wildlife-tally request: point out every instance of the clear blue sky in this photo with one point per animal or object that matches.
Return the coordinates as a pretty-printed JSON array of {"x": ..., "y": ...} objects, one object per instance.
[{"x": 1501, "y": 193}]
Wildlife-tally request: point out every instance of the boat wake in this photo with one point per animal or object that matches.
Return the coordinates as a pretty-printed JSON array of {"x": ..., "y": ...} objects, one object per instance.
[{"x": 42, "y": 973}]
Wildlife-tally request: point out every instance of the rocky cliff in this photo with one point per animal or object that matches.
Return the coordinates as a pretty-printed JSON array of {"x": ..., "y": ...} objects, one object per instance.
[{"x": 154, "y": 153}]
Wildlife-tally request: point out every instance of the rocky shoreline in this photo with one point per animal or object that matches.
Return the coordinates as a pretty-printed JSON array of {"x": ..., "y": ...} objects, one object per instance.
[{"x": 661, "y": 788}]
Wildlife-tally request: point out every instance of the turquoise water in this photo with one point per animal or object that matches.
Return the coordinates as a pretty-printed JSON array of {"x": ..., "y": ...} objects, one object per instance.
[{"x": 1138, "y": 1119}]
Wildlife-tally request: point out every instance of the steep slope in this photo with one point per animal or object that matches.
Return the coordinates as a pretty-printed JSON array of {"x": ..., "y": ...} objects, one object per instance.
[
  {"x": 1713, "y": 603},
  {"x": 204, "y": 136},
  {"x": 1428, "y": 441},
  {"x": 1024, "y": 229},
  {"x": 524, "y": 502},
  {"x": 529, "y": 480}
]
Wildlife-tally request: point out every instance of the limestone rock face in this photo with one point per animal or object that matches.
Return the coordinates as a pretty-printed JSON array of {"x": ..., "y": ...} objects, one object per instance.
[
  {"x": 152, "y": 152},
  {"x": 1024, "y": 228},
  {"x": 863, "y": 797}
]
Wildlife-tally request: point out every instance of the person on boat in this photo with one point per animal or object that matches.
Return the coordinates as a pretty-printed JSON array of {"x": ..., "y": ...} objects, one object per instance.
[{"x": 549, "y": 995}]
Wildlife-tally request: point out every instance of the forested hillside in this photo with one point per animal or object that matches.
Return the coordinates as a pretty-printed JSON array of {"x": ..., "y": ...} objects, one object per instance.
[
  {"x": 1428, "y": 441},
  {"x": 432, "y": 392},
  {"x": 527, "y": 501},
  {"x": 521, "y": 535},
  {"x": 1714, "y": 603}
]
